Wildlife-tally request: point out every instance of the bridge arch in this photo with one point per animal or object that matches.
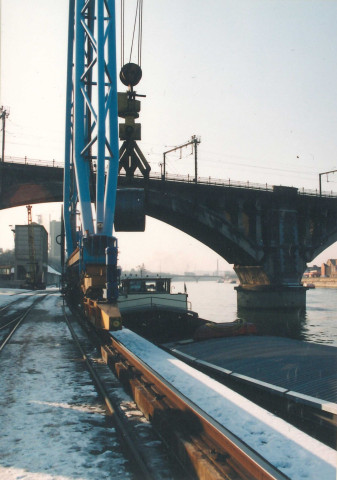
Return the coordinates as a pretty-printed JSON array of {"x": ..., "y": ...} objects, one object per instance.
[
  {"x": 185, "y": 211},
  {"x": 268, "y": 234}
]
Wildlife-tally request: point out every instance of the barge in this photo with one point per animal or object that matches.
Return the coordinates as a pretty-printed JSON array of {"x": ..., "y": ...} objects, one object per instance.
[{"x": 150, "y": 308}]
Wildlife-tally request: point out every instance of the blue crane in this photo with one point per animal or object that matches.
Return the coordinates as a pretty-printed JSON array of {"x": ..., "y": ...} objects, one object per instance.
[
  {"x": 91, "y": 145},
  {"x": 92, "y": 156}
]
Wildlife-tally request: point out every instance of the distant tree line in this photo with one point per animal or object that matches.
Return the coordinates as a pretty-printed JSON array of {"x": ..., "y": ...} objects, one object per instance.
[{"x": 7, "y": 257}]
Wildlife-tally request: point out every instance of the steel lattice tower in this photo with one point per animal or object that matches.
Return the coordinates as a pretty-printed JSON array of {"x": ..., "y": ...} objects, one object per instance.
[{"x": 91, "y": 119}]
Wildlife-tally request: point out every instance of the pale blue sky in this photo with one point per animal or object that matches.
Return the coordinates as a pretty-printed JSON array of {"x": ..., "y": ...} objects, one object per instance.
[{"x": 256, "y": 79}]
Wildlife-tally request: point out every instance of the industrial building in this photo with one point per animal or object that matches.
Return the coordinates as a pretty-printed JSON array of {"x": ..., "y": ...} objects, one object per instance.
[{"x": 31, "y": 256}]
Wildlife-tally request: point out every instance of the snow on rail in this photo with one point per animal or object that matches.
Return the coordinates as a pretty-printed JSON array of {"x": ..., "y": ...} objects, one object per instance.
[{"x": 293, "y": 452}]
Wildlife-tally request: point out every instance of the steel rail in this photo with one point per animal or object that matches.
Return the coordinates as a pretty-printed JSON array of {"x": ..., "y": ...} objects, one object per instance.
[
  {"x": 120, "y": 422},
  {"x": 4, "y": 307},
  {"x": 18, "y": 321},
  {"x": 243, "y": 455},
  {"x": 9, "y": 323}
]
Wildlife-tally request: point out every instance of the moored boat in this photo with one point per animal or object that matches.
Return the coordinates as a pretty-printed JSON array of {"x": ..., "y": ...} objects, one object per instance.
[{"x": 149, "y": 308}]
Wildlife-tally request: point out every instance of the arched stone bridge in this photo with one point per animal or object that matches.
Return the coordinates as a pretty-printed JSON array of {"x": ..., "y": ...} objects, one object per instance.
[{"x": 269, "y": 235}]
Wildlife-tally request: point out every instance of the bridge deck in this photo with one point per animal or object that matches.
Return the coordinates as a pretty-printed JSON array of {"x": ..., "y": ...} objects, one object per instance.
[{"x": 301, "y": 371}]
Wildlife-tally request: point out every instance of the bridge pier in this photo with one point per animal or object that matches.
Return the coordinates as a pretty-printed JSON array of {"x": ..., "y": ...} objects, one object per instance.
[
  {"x": 274, "y": 281},
  {"x": 271, "y": 297}
]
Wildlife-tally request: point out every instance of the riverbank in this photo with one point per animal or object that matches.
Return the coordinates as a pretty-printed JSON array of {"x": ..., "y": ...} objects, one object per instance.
[{"x": 321, "y": 282}]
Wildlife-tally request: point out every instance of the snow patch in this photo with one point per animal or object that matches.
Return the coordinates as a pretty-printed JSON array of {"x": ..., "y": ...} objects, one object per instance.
[
  {"x": 79, "y": 408},
  {"x": 20, "y": 474}
]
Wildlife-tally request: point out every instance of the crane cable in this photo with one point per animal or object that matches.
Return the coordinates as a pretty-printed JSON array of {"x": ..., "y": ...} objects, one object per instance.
[
  {"x": 140, "y": 32},
  {"x": 122, "y": 33},
  {"x": 139, "y": 15}
]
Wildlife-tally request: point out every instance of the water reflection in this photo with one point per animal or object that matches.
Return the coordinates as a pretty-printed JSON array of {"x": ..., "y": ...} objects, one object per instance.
[
  {"x": 280, "y": 323},
  {"x": 217, "y": 302}
]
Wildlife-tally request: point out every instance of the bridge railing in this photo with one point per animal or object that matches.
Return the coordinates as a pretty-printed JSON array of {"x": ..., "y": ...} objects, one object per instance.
[
  {"x": 315, "y": 193},
  {"x": 34, "y": 161},
  {"x": 232, "y": 183},
  {"x": 179, "y": 178},
  {"x": 212, "y": 181}
]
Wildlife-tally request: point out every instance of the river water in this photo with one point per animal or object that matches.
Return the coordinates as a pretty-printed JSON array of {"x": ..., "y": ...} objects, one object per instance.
[{"x": 217, "y": 302}]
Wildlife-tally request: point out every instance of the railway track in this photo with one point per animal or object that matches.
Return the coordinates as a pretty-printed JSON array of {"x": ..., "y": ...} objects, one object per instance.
[
  {"x": 3, "y": 308},
  {"x": 201, "y": 447},
  {"x": 204, "y": 447},
  {"x": 149, "y": 456},
  {"x": 186, "y": 442},
  {"x": 10, "y": 323}
]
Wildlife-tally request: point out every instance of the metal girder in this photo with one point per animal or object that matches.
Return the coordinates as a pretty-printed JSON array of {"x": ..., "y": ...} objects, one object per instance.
[{"x": 91, "y": 118}]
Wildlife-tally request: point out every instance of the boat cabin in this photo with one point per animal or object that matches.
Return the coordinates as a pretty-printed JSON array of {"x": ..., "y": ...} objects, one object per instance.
[
  {"x": 148, "y": 293},
  {"x": 151, "y": 285}
]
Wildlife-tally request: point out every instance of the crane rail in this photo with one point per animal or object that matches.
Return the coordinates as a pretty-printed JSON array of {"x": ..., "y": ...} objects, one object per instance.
[{"x": 196, "y": 437}]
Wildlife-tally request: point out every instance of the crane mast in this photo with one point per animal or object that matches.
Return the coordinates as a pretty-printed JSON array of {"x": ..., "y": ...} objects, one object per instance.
[{"x": 91, "y": 145}]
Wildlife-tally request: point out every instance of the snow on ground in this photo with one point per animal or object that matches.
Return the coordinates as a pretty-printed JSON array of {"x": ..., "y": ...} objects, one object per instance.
[
  {"x": 8, "y": 295},
  {"x": 53, "y": 425},
  {"x": 287, "y": 448},
  {"x": 11, "y": 291},
  {"x": 49, "y": 302}
]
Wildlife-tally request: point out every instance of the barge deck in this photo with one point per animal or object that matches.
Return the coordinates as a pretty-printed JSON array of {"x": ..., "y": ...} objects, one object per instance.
[{"x": 300, "y": 378}]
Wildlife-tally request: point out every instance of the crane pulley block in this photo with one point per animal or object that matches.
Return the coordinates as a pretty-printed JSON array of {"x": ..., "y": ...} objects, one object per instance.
[{"x": 128, "y": 106}]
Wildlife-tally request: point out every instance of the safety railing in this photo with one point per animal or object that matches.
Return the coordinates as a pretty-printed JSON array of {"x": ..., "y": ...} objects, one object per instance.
[{"x": 181, "y": 178}]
